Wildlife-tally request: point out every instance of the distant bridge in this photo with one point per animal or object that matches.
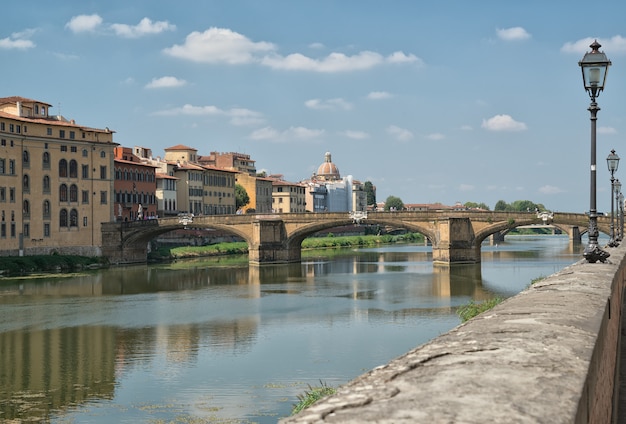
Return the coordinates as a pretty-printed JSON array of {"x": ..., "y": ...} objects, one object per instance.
[{"x": 455, "y": 236}]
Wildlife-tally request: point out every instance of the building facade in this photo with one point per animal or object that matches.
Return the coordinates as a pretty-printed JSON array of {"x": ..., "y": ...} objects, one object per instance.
[
  {"x": 134, "y": 187},
  {"x": 56, "y": 181},
  {"x": 288, "y": 197}
]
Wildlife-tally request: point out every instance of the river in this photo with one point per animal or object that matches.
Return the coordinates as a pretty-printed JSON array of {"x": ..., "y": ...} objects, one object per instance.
[{"x": 219, "y": 341}]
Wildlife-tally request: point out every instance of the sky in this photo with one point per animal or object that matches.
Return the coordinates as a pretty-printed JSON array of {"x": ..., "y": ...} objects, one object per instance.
[{"x": 431, "y": 101}]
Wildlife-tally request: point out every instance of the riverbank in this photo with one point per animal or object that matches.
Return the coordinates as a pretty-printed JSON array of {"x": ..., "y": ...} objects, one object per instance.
[
  {"x": 328, "y": 242},
  {"x": 27, "y": 265}
]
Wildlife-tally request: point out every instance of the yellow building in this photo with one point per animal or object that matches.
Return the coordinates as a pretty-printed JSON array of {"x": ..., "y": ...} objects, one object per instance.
[
  {"x": 259, "y": 191},
  {"x": 288, "y": 197},
  {"x": 56, "y": 181}
]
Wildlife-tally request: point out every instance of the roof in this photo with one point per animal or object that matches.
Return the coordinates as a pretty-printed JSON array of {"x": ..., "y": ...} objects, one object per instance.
[
  {"x": 180, "y": 147},
  {"x": 15, "y": 99},
  {"x": 130, "y": 162}
]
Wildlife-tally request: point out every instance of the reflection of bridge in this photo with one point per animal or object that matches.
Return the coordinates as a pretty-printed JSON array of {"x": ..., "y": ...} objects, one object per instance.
[{"x": 456, "y": 236}]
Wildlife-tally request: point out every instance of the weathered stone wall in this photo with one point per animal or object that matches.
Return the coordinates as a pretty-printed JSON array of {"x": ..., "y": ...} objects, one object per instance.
[{"x": 547, "y": 355}]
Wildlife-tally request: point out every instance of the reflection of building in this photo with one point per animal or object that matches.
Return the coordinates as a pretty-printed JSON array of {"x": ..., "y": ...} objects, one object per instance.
[
  {"x": 56, "y": 181},
  {"x": 42, "y": 372},
  {"x": 328, "y": 192}
]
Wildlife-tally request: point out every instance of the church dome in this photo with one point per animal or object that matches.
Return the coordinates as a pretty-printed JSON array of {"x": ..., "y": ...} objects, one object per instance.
[{"x": 328, "y": 170}]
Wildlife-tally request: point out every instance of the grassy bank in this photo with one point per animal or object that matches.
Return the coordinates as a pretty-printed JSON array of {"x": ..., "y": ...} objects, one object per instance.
[
  {"x": 23, "y": 265},
  {"x": 328, "y": 242}
]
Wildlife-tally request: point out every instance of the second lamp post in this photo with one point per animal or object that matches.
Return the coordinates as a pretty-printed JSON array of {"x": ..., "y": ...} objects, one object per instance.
[{"x": 612, "y": 162}]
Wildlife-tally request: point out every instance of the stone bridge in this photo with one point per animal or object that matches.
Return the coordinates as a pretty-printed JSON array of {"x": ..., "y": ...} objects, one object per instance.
[{"x": 456, "y": 236}]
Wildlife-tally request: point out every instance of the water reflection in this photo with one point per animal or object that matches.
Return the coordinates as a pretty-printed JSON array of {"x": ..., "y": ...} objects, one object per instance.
[{"x": 145, "y": 334}]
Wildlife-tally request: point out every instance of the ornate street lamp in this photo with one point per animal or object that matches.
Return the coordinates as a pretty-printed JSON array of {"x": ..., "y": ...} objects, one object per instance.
[
  {"x": 612, "y": 162},
  {"x": 594, "y": 66}
]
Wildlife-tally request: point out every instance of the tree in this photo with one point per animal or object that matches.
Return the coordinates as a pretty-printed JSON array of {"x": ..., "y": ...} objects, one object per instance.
[
  {"x": 371, "y": 192},
  {"x": 241, "y": 196},
  {"x": 501, "y": 205},
  {"x": 474, "y": 205},
  {"x": 394, "y": 203}
]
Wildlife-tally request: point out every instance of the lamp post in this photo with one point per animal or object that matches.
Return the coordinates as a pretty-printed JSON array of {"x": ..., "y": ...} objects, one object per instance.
[
  {"x": 618, "y": 218},
  {"x": 621, "y": 214},
  {"x": 594, "y": 66},
  {"x": 612, "y": 162}
]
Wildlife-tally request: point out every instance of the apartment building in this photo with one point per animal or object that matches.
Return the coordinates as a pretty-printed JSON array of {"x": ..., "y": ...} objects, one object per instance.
[
  {"x": 134, "y": 187},
  {"x": 56, "y": 181},
  {"x": 233, "y": 161},
  {"x": 259, "y": 191},
  {"x": 287, "y": 197}
]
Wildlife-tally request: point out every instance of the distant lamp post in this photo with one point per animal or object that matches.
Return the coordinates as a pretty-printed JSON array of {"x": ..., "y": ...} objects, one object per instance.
[
  {"x": 612, "y": 162},
  {"x": 621, "y": 214},
  {"x": 618, "y": 219},
  {"x": 594, "y": 66}
]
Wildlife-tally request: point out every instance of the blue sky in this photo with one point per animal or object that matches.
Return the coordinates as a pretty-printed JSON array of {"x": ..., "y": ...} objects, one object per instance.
[{"x": 431, "y": 101}]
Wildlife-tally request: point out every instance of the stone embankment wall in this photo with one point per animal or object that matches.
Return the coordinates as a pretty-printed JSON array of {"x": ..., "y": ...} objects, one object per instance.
[{"x": 547, "y": 355}]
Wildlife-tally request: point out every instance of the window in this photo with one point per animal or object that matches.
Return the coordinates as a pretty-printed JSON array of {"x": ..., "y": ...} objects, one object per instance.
[
  {"x": 74, "y": 218},
  {"x": 25, "y": 158},
  {"x": 3, "y": 230},
  {"x": 26, "y": 230},
  {"x": 64, "y": 148},
  {"x": 49, "y": 131},
  {"x": 46, "y": 184},
  {"x": 12, "y": 194},
  {"x": 73, "y": 169},
  {"x": 103, "y": 154},
  {"x": 26, "y": 209},
  {"x": 46, "y": 209},
  {"x": 72, "y": 137},
  {"x": 63, "y": 168},
  {"x": 85, "y": 153},
  {"x": 46, "y": 230},
  {"x": 46, "y": 160},
  {"x": 2, "y": 166},
  {"x": 12, "y": 229},
  {"x": 103, "y": 197},
  {"x": 73, "y": 193},
  {"x": 26, "y": 183},
  {"x": 63, "y": 193},
  {"x": 103, "y": 172},
  {"x": 11, "y": 167},
  {"x": 3, "y": 194},
  {"x": 62, "y": 135},
  {"x": 63, "y": 218},
  {"x": 85, "y": 171},
  {"x": 3, "y": 142},
  {"x": 85, "y": 197},
  {"x": 11, "y": 128},
  {"x": 84, "y": 221}
]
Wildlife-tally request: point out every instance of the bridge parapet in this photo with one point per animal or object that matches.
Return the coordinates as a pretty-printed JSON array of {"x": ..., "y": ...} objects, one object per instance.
[{"x": 549, "y": 354}]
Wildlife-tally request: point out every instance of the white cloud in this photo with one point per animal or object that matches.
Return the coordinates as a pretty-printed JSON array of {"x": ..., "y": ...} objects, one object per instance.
[
  {"x": 379, "y": 95},
  {"x": 236, "y": 116},
  {"x": 13, "y": 43},
  {"x": 400, "y": 134},
  {"x": 84, "y": 23},
  {"x": 290, "y": 134},
  {"x": 503, "y": 123},
  {"x": 331, "y": 104},
  {"x": 356, "y": 135},
  {"x": 513, "y": 34},
  {"x": 435, "y": 136},
  {"x": 316, "y": 46},
  {"x": 222, "y": 45},
  {"x": 615, "y": 44},
  {"x": 219, "y": 45},
  {"x": 466, "y": 187},
  {"x": 166, "y": 82},
  {"x": 144, "y": 27},
  {"x": 466, "y": 128},
  {"x": 607, "y": 130},
  {"x": 548, "y": 189}
]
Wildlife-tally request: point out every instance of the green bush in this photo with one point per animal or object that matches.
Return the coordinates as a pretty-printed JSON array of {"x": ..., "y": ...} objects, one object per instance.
[
  {"x": 312, "y": 395},
  {"x": 472, "y": 309}
]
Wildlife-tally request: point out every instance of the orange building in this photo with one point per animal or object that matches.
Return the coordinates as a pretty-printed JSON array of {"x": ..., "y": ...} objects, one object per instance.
[{"x": 134, "y": 187}]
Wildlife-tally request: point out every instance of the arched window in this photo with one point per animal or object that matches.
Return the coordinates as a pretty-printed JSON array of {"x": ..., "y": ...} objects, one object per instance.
[
  {"x": 103, "y": 154},
  {"x": 63, "y": 218},
  {"x": 26, "y": 208},
  {"x": 73, "y": 169},
  {"x": 46, "y": 209},
  {"x": 74, "y": 218},
  {"x": 46, "y": 184},
  {"x": 25, "y": 158},
  {"x": 63, "y": 168},
  {"x": 63, "y": 193},
  {"x": 26, "y": 183},
  {"x": 46, "y": 160},
  {"x": 73, "y": 193}
]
